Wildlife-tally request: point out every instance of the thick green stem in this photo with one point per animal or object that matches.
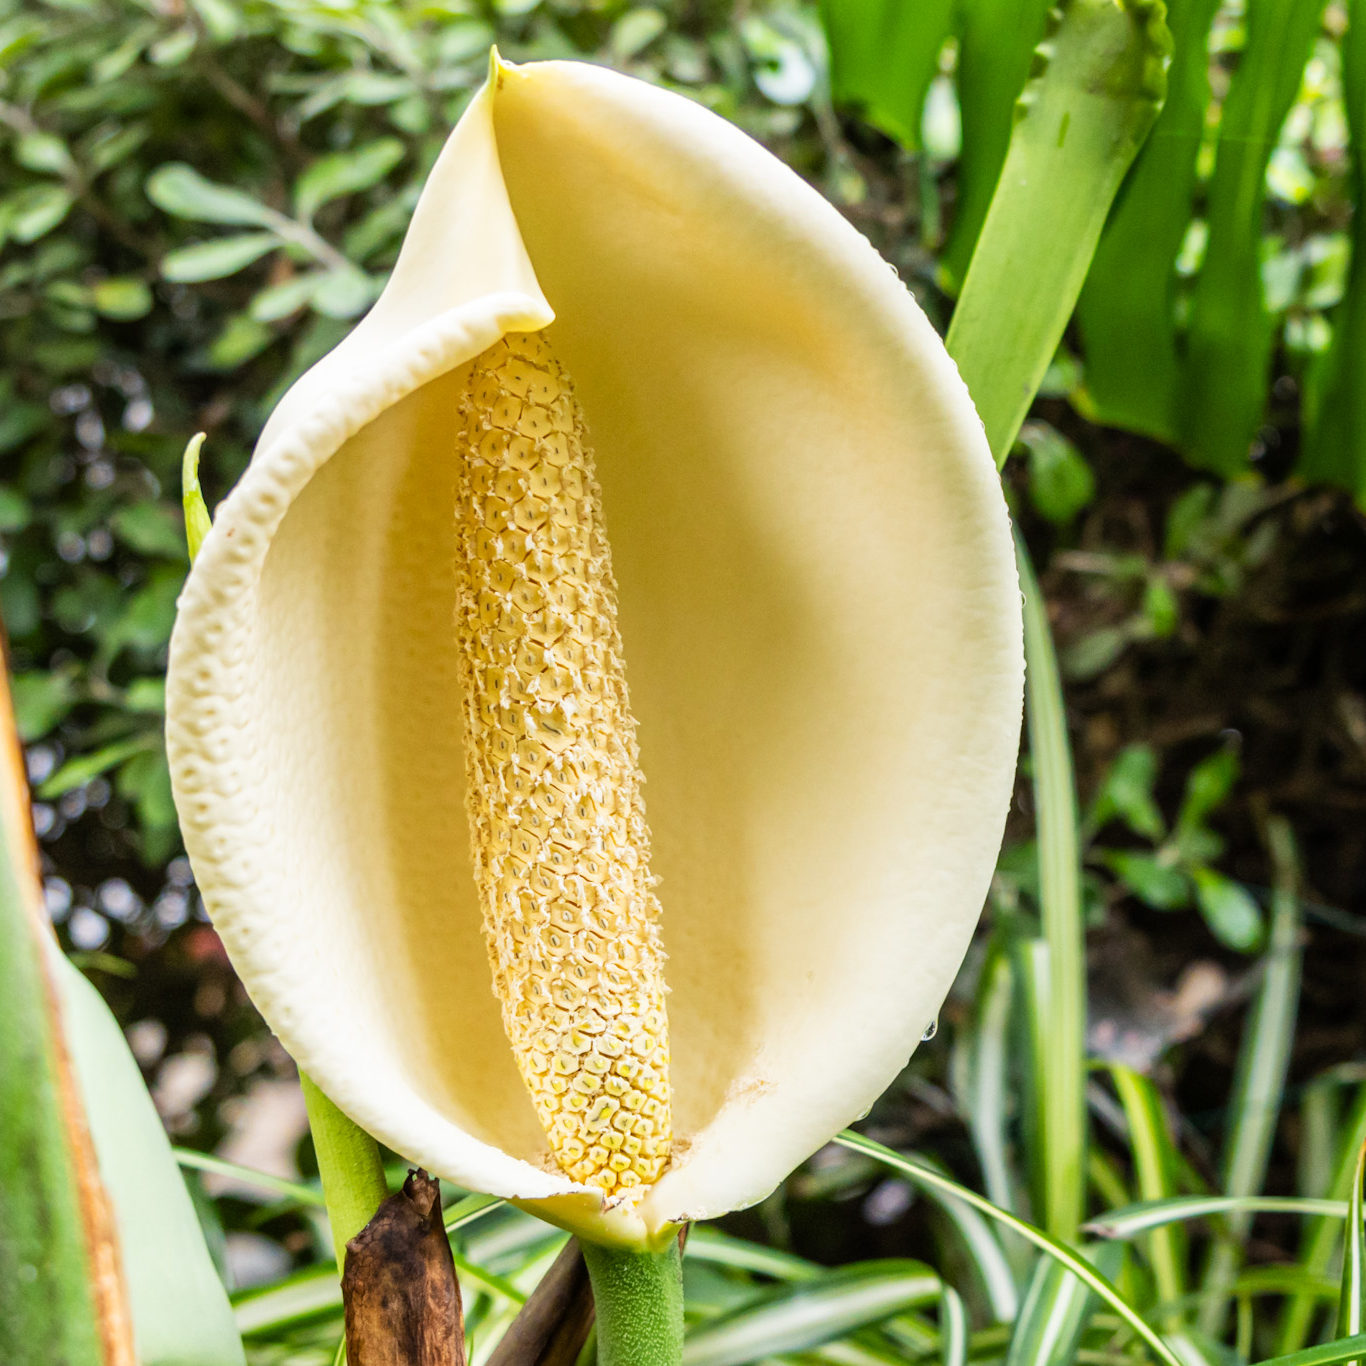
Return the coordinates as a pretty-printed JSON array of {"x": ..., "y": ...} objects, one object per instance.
[
  {"x": 350, "y": 1166},
  {"x": 639, "y": 1300}
]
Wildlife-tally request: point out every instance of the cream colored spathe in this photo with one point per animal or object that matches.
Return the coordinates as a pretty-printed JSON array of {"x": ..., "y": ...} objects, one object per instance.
[{"x": 818, "y": 607}]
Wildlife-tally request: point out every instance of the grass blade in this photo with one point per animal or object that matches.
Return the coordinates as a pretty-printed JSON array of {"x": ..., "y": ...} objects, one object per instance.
[
  {"x": 1126, "y": 311},
  {"x": 1350, "y": 1316},
  {"x": 981, "y": 1077},
  {"x": 1053, "y": 1318},
  {"x": 1262, "y": 1064},
  {"x": 1133, "y": 1220},
  {"x": 1222, "y": 393},
  {"x": 1151, "y": 1145},
  {"x": 1335, "y": 398},
  {"x": 1077, "y": 127},
  {"x": 1322, "y": 1235},
  {"x": 800, "y": 1316},
  {"x": 953, "y": 1328},
  {"x": 1060, "y": 1072},
  {"x": 1076, "y": 1264},
  {"x": 59, "y": 1269},
  {"x": 278, "y": 1187},
  {"x": 1330, "y": 1354}
]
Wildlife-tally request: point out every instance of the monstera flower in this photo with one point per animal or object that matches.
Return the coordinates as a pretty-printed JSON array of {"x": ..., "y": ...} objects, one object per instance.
[{"x": 407, "y": 763}]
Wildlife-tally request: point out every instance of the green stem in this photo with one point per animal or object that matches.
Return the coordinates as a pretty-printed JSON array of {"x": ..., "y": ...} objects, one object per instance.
[
  {"x": 350, "y": 1167},
  {"x": 639, "y": 1299}
]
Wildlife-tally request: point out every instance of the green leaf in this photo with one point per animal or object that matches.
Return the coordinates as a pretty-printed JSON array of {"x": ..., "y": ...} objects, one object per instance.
[
  {"x": 342, "y": 173},
  {"x": 145, "y": 780},
  {"x": 794, "y": 1318},
  {"x": 45, "y": 153},
  {"x": 1208, "y": 788},
  {"x": 1127, "y": 309},
  {"x": 1330, "y": 1354},
  {"x": 1130, "y": 1221},
  {"x": 1058, "y": 1251},
  {"x": 1061, "y": 1072},
  {"x": 1079, "y": 123},
  {"x": 1126, "y": 792},
  {"x": 1154, "y": 881},
  {"x": 883, "y": 56},
  {"x": 34, "y": 212},
  {"x": 46, "y": 1295},
  {"x": 124, "y": 298},
  {"x": 635, "y": 31},
  {"x": 996, "y": 55},
  {"x": 1334, "y": 445},
  {"x": 181, "y": 191},
  {"x": 289, "y": 296},
  {"x": 1321, "y": 1235},
  {"x": 1060, "y": 481},
  {"x": 1352, "y": 1302},
  {"x": 41, "y": 700},
  {"x": 1263, "y": 1060},
  {"x": 345, "y": 292},
  {"x": 1221, "y": 396},
  {"x": 241, "y": 339},
  {"x": 1230, "y": 911},
  {"x": 197, "y": 519},
  {"x": 981, "y": 1077},
  {"x": 217, "y": 257},
  {"x": 15, "y": 510},
  {"x": 300, "y": 1298},
  {"x": 1053, "y": 1317},
  {"x": 80, "y": 770},
  {"x": 181, "y": 1315},
  {"x": 1154, "y": 1156},
  {"x": 150, "y": 529}
]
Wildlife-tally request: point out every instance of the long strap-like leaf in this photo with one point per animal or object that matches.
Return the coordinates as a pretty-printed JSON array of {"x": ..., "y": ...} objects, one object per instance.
[
  {"x": 1127, "y": 310},
  {"x": 1222, "y": 394},
  {"x": 61, "y": 1293},
  {"x": 1081, "y": 119},
  {"x": 1335, "y": 398}
]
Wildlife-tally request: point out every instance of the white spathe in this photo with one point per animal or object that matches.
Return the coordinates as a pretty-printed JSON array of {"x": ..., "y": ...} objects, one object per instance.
[{"x": 821, "y": 620}]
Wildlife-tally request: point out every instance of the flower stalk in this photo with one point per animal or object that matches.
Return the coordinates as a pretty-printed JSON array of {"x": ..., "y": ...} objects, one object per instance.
[{"x": 639, "y": 1299}]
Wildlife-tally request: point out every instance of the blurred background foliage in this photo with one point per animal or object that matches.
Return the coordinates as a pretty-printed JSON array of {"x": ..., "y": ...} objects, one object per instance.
[{"x": 197, "y": 199}]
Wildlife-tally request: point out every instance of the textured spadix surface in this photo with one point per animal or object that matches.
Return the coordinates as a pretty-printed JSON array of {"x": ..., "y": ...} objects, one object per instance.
[{"x": 819, "y": 616}]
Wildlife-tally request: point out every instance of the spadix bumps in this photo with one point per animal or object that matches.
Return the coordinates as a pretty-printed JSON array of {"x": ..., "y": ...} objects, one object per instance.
[{"x": 561, "y": 850}]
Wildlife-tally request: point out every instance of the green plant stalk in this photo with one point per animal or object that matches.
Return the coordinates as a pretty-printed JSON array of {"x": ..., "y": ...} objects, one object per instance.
[
  {"x": 1260, "y": 1081},
  {"x": 350, "y": 1167},
  {"x": 348, "y": 1158},
  {"x": 639, "y": 1301}
]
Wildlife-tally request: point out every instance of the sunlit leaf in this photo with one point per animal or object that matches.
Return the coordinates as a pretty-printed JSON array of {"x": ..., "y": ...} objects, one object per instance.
[{"x": 342, "y": 173}]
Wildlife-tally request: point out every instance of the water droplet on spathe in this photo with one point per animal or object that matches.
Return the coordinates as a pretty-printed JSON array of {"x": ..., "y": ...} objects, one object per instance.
[{"x": 931, "y": 1030}]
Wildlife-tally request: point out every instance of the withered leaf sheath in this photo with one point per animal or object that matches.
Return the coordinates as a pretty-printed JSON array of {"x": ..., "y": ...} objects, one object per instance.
[{"x": 561, "y": 848}]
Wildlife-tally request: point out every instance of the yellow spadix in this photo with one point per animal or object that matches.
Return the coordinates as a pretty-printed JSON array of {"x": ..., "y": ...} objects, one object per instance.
[{"x": 400, "y": 732}]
